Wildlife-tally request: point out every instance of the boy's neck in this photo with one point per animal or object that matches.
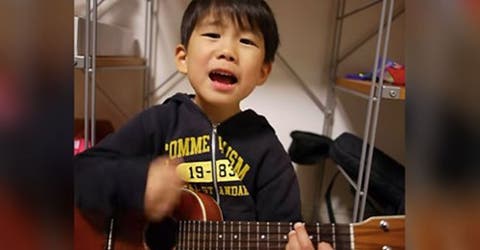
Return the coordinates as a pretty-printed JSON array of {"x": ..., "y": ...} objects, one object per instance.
[{"x": 215, "y": 113}]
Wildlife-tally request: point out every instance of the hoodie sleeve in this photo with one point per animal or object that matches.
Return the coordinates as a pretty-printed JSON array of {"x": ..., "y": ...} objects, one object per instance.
[
  {"x": 278, "y": 196},
  {"x": 111, "y": 176}
]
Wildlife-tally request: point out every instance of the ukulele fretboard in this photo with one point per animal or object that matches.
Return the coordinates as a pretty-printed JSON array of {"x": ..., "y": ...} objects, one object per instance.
[{"x": 255, "y": 235}]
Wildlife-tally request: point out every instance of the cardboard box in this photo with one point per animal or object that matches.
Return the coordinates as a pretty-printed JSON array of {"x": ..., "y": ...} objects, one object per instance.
[{"x": 111, "y": 40}]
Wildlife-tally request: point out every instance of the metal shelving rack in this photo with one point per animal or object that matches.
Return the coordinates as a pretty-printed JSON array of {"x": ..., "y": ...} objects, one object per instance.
[
  {"x": 374, "y": 91},
  {"x": 90, "y": 63}
]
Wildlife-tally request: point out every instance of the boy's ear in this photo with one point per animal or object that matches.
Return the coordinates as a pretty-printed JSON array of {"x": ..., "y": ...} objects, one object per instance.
[
  {"x": 181, "y": 58},
  {"x": 264, "y": 73}
]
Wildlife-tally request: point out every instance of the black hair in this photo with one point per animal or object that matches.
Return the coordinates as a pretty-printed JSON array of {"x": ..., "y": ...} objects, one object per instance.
[{"x": 248, "y": 14}]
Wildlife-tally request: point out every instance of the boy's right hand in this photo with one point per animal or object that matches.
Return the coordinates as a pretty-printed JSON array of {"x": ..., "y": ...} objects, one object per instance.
[{"x": 163, "y": 188}]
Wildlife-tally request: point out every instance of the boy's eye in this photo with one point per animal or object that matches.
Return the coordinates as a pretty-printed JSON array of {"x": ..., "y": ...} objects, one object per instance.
[
  {"x": 211, "y": 35},
  {"x": 248, "y": 42}
]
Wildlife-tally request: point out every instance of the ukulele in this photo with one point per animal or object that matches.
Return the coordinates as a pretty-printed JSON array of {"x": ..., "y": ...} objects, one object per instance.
[{"x": 197, "y": 224}]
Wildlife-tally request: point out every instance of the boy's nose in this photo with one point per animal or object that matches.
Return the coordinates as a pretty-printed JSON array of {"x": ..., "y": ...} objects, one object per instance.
[
  {"x": 227, "y": 56},
  {"x": 227, "y": 53}
]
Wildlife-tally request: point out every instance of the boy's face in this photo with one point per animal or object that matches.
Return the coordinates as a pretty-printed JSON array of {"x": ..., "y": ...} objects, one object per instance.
[{"x": 223, "y": 63}]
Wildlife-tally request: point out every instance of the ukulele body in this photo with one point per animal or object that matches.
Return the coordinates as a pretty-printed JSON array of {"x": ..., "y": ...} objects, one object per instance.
[{"x": 133, "y": 232}]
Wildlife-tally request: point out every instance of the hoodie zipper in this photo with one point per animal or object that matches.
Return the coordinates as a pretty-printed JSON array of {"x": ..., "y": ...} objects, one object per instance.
[{"x": 214, "y": 162}]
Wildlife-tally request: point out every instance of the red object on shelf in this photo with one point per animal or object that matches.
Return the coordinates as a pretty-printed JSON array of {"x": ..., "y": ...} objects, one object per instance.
[
  {"x": 103, "y": 128},
  {"x": 78, "y": 145},
  {"x": 397, "y": 71}
]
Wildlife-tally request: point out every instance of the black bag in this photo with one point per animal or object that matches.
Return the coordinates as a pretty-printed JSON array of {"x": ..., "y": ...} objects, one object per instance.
[
  {"x": 387, "y": 177},
  {"x": 308, "y": 148}
]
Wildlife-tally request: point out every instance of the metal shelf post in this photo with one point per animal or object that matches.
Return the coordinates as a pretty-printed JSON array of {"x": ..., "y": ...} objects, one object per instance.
[
  {"x": 89, "y": 60},
  {"x": 374, "y": 97}
]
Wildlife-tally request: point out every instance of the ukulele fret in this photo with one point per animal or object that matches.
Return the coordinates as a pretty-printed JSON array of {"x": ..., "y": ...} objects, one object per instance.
[
  {"x": 268, "y": 234},
  {"x": 223, "y": 238},
  {"x": 232, "y": 235},
  {"x": 204, "y": 234},
  {"x": 189, "y": 233},
  {"x": 216, "y": 237},
  {"x": 290, "y": 227},
  {"x": 258, "y": 235},
  {"x": 248, "y": 235},
  {"x": 185, "y": 234},
  {"x": 239, "y": 235},
  {"x": 264, "y": 235},
  {"x": 196, "y": 236},
  {"x": 179, "y": 234},
  {"x": 199, "y": 234},
  {"x": 318, "y": 232},
  {"x": 279, "y": 235},
  {"x": 190, "y": 236},
  {"x": 334, "y": 245},
  {"x": 209, "y": 232}
]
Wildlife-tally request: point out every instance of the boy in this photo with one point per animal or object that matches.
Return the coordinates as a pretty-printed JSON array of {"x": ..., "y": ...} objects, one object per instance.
[{"x": 227, "y": 49}]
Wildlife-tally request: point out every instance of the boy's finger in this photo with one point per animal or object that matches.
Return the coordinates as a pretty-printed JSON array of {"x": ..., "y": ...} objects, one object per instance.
[
  {"x": 324, "y": 246},
  {"x": 292, "y": 241},
  {"x": 302, "y": 236},
  {"x": 174, "y": 162},
  {"x": 166, "y": 161}
]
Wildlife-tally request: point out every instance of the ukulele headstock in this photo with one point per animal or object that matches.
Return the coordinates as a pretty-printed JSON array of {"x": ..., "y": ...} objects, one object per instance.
[{"x": 380, "y": 232}]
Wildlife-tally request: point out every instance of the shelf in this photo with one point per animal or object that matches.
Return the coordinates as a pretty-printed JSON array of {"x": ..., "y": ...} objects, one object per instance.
[
  {"x": 362, "y": 88},
  {"x": 132, "y": 62}
]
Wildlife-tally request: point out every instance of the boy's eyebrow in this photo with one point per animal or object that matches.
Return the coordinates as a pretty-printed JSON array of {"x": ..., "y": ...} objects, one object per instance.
[
  {"x": 218, "y": 22},
  {"x": 211, "y": 22}
]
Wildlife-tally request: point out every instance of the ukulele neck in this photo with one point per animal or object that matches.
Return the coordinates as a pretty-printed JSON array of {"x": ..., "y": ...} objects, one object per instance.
[{"x": 256, "y": 235}]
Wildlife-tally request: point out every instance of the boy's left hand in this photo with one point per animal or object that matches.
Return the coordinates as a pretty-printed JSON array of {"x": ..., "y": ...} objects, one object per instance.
[{"x": 298, "y": 239}]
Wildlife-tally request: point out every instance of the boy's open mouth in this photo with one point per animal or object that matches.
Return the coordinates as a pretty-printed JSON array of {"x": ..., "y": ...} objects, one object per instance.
[{"x": 223, "y": 77}]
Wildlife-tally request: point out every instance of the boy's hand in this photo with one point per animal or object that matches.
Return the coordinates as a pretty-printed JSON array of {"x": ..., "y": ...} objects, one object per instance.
[
  {"x": 163, "y": 188},
  {"x": 298, "y": 239}
]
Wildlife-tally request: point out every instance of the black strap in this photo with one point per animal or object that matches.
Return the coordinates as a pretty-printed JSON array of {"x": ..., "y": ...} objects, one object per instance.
[{"x": 328, "y": 199}]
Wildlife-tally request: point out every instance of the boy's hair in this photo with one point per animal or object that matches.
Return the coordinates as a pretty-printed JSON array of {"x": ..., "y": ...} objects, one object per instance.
[{"x": 248, "y": 14}]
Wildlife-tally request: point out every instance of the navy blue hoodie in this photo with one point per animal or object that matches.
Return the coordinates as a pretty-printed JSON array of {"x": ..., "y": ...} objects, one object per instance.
[{"x": 254, "y": 179}]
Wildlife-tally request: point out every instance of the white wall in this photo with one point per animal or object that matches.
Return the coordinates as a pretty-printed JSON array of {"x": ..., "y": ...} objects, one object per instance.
[{"x": 306, "y": 30}]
